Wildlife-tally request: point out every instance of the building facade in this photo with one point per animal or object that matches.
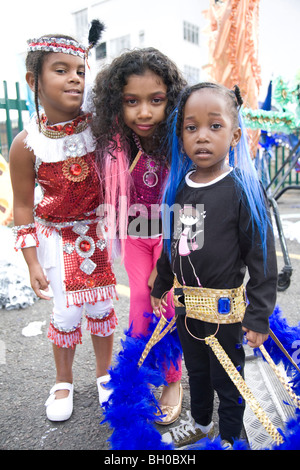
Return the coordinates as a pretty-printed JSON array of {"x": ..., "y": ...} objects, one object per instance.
[{"x": 173, "y": 26}]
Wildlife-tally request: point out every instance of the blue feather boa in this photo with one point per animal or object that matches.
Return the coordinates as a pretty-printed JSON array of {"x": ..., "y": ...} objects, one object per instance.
[
  {"x": 132, "y": 404},
  {"x": 131, "y": 408},
  {"x": 289, "y": 337}
]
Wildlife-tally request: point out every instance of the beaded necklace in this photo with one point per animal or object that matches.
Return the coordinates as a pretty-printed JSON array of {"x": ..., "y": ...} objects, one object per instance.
[
  {"x": 58, "y": 131},
  {"x": 74, "y": 167}
]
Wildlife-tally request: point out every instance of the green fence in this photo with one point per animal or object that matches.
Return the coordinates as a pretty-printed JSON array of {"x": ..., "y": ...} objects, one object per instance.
[
  {"x": 282, "y": 155},
  {"x": 10, "y": 126},
  {"x": 283, "y": 169}
]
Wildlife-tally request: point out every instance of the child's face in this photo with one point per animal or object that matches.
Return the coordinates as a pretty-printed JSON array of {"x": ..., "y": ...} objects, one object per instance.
[
  {"x": 207, "y": 131},
  {"x": 144, "y": 103},
  {"x": 61, "y": 86}
]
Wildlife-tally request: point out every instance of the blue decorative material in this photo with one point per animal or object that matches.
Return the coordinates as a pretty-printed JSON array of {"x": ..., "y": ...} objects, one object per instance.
[
  {"x": 131, "y": 408},
  {"x": 231, "y": 156},
  {"x": 224, "y": 305},
  {"x": 289, "y": 337},
  {"x": 249, "y": 182},
  {"x": 132, "y": 404},
  {"x": 267, "y": 104},
  {"x": 180, "y": 164},
  {"x": 246, "y": 178}
]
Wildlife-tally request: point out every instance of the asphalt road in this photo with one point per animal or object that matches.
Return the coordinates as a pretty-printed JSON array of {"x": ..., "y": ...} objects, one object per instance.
[{"x": 27, "y": 369}]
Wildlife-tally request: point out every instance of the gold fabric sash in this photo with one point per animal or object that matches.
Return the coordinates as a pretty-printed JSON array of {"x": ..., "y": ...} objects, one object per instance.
[{"x": 204, "y": 304}]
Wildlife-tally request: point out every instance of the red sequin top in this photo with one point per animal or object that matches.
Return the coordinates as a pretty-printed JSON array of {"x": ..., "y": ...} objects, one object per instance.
[
  {"x": 70, "y": 189},
  {"x": 70, "y": 186}
]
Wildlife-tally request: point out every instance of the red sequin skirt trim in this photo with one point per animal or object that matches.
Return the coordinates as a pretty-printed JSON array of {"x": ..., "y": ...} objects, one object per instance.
[
  {"x": 92, "y": 296},
  {"x": 64, "y": 339},
  {"x": 103, "y": 326},
  {"x": 96, "y": 326}
]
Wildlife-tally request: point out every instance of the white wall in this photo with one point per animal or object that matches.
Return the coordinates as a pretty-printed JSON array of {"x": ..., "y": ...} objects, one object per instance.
[
  {"x": 162, "y": 22},
  {"x": 279, "y": 40},
  {"x": 161, "y": 19}
]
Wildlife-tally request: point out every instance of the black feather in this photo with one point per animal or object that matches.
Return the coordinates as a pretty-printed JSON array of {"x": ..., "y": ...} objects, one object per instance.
[{"x": 95, "y": 32}]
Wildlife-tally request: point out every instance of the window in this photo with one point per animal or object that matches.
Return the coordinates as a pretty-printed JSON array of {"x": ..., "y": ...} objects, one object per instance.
[
  {"x": 192, "y": 74},
  {"x": 119, "y": 45},
  {"x": 141, "y": 38},
  {"x": 81, "y": 23},
  {"x": 101, "y": 51},
  {"x": 190, "y": 32}
]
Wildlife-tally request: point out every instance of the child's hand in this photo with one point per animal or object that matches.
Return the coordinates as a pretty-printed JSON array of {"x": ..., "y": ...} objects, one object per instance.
[
  {"x": 152, "y": 278},
  {"x": 157, "y": 305},
  {"x": 255, "y": 339},
  {"x": 39, "y": 281}
]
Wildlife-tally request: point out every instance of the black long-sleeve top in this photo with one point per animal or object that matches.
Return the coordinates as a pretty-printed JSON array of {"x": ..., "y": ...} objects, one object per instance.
[{"x": 227, "y": 245}]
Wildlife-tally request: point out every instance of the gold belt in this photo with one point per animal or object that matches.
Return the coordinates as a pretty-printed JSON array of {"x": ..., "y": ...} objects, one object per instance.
[{"x": 210, "y": 305}]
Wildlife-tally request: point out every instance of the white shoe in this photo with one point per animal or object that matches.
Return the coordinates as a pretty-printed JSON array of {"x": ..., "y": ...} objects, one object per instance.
[
  {"x": 226, "y": 445},
  {"x": 62, "y": 408},
  {"x": 104, "y": 392}
]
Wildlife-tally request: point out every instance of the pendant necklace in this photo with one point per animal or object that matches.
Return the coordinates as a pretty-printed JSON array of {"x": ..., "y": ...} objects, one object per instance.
[{"x": 150, "y": 177}]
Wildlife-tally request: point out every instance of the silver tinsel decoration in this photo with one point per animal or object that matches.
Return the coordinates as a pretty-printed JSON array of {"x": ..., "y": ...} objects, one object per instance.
[{"x": 15, "y": 289}]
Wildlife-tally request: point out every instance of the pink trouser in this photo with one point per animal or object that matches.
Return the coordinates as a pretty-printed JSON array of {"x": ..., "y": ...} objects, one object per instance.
[{"x": 140, "y": 259}]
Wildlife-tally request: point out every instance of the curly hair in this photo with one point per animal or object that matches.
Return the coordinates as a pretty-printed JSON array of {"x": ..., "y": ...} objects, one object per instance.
[{"x": 108, "y": 121}]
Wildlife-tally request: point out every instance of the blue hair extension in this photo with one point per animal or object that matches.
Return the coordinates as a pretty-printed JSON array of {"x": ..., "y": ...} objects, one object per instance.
[
  {"x": 231, "y": 156},
  {"x": 248, "y": 180},
  {"x": 179, "y": 165}
]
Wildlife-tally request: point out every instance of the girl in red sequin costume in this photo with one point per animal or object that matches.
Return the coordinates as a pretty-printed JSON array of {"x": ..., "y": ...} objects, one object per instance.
[
  {"x": 61, "y": 236},
  {"x": 133, "y": 98}
]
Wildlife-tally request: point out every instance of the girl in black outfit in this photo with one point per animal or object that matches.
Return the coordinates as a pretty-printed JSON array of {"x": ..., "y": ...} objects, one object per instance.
[{"x": 220, "y": 226}]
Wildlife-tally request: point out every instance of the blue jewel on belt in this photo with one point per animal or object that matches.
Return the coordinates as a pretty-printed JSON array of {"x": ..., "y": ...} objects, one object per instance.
[{"x": 224, "y": 305}]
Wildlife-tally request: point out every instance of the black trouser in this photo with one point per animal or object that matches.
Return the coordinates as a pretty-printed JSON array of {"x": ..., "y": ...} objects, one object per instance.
[{"x": 206, "y": 374}]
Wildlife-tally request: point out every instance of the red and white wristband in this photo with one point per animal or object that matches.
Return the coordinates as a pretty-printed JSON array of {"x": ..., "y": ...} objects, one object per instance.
[{"x": 25, "y": 236}]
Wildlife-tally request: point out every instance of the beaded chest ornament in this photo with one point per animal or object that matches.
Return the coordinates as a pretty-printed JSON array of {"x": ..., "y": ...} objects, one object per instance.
[{"x": 74, "y": 167}]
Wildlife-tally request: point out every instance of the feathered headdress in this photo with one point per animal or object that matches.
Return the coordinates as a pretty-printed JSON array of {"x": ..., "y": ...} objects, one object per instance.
[
  {"x": 95, "y": 34},
  {"x": 68, "y": 46}
]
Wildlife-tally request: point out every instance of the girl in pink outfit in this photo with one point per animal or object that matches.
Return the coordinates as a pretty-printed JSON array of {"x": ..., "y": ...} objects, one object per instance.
[{"x": 133, "y": 98}]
